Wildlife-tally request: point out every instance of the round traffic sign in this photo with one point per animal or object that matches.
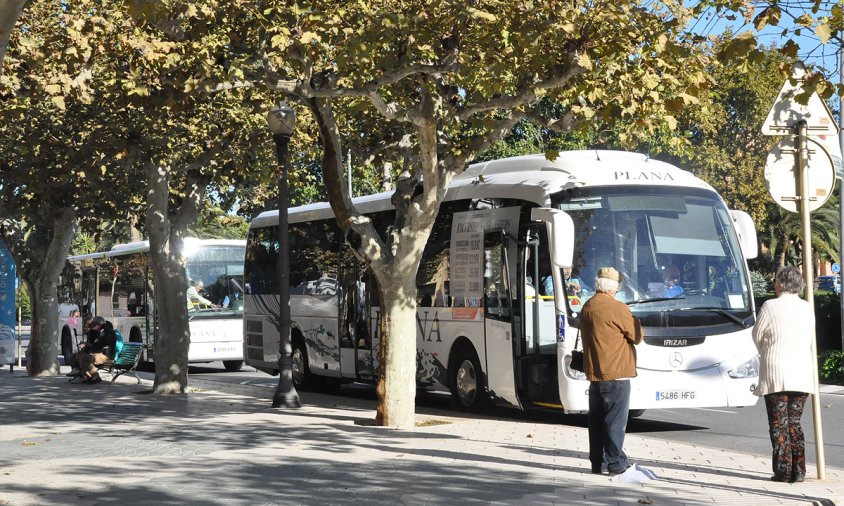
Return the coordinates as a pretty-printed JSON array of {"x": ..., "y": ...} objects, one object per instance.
[
  {"x": 836, "y": 268},
  {"x": 781, "y": 175}
]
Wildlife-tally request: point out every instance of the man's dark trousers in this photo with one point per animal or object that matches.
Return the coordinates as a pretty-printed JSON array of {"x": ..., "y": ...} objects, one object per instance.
[{"x": 609, "y": 402}]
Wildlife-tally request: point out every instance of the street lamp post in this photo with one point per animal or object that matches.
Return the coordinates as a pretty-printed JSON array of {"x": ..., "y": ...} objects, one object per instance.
[{"x": 282, "y": 121}]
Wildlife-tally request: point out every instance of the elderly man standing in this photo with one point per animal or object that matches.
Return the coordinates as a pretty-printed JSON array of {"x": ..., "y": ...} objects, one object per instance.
[{"x": 609, "y": 331}]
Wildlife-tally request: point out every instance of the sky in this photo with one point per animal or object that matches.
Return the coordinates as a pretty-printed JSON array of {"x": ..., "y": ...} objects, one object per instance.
[{"x": 826, "y": 56}]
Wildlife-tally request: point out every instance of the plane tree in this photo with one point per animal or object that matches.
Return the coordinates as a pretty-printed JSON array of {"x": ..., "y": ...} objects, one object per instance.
[
  {"x": 53, "y": 142},
  {"x": 455, "y": 78},
  {"x": 181, "y": 141},
  {"x": 103, "y": 112}
]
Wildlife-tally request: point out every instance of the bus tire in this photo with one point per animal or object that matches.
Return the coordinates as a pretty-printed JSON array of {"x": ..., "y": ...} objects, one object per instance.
[
  {"x": 67, "y": 346},
  {"x": 635, "y": 413},
  {"x": 233, "y": 365},
  {"x": 302, "y": 376},
  {"x": 468, "y": 388}
]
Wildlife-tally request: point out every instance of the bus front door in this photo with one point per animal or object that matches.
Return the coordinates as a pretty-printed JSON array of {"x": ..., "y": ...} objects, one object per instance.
[
  {"x": 355, "y": 339},
  {"x": 498, "y": 320}
]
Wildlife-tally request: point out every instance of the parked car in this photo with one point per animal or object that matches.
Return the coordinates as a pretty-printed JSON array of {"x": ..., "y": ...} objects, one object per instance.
[{"x": 828, "y": 283}]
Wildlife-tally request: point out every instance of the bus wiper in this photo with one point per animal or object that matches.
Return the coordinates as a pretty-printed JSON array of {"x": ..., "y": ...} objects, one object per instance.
[
  {"x": 655, "y": 299},
  {"x": 738, "y": 321},
  {"x": 715, "y": 309}
]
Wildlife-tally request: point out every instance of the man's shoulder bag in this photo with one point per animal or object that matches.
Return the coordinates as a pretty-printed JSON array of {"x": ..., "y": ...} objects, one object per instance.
[{"x": 577, "y": 355}]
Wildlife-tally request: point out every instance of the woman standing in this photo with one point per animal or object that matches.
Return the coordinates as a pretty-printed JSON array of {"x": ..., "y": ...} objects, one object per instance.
[{"x": 784, "y": 331}]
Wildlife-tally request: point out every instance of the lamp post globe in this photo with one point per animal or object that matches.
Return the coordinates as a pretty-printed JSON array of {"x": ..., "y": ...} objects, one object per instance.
[
  {"x": 282, "y": 123},
  {"x": 282, "y": 119}
]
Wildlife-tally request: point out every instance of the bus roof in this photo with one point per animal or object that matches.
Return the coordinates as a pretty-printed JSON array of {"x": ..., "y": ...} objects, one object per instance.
[
  {"x": 530, "y": 177},
  {"x": 143, "y": 246}
]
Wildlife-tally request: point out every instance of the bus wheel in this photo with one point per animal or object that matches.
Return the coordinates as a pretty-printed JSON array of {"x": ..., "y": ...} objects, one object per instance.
[
  {"x": 302, "y": 377},
  {"x": 635, "y": 413},
  {"x": 67, "y": 347},
  {"x": 233, "y": 365},
  {"x": 467, "y": 387}
]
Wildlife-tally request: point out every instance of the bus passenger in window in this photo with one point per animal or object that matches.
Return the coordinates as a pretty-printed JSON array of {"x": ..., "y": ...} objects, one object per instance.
[
  {"x": 573, "y": 285},
  {"x": 195, "y": 299},
  {"x": 672, "y": 282}
]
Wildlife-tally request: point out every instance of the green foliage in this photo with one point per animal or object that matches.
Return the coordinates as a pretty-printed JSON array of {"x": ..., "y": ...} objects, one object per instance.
[
  {"x": 214, "y": 223},
  {"x": 782, "y": 235},
  {"x": 831, "y": 367},
  {"x": 727, "y": 145},
  {"x": 24, "y": 303},
  {"x": 762, "y": 285}
]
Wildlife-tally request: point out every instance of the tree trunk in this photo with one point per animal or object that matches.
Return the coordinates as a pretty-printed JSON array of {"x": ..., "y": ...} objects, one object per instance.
[
  {"x": 173, "y": 339},
  {"x": 41, "y": 257},
  {"x": 397, "y": 382},
  {"x": 393, "y": 261},
  {"x": 166, "y": 238},
  {"x": 43, "y": 350}
]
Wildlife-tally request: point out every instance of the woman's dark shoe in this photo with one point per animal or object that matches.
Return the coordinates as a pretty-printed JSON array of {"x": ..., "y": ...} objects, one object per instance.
[{"x": 93, "y": 380}]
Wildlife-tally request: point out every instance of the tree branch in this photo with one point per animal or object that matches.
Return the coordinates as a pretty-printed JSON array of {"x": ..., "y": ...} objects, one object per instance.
[
  {"x": 564, "y": 125},
  {"x": 360, "y": 234},
  {"x": 525, "y": 94},
  {"x": 456, "y": 165}
]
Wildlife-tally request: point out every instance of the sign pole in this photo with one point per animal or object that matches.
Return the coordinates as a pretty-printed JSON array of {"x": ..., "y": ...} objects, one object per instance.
[
  {"x": 841, "y": 188},
  {"x": 20, "y": 323},
  {"x": 803, "y": 168}
]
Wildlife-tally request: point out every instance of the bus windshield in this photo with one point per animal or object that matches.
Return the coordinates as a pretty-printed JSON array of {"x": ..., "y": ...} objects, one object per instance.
[
  {"x": 676, "y": 251},
  {"x": 221, "y": 270}
]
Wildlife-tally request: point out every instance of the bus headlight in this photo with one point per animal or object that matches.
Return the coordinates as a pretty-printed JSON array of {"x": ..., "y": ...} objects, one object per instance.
[
  {"x": 749, "y": 369},
  {"x": 571, "y": 373}
]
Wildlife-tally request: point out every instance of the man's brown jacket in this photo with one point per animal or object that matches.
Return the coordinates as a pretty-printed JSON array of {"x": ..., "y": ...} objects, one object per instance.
[{"x": 609, "y": 331}]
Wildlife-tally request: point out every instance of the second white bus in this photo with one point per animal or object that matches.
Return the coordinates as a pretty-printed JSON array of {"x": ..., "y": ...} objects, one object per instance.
[
  {"x": 118, "y": 285},
  {"x": 510, "y": 262}
]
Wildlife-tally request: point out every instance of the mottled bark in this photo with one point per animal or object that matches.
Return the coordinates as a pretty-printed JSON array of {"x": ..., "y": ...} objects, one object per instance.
[
  {"x": 167, "y": 230},
  {"x": 40, "y": 252},
  {"x": 397, "y": 384}
]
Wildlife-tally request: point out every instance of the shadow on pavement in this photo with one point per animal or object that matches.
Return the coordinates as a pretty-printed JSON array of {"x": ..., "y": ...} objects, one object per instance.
[{"x": 110, "y": 444}]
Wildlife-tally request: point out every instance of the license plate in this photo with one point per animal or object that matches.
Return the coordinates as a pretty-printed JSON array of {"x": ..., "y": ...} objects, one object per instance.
[{"x": 675, "y": 395}]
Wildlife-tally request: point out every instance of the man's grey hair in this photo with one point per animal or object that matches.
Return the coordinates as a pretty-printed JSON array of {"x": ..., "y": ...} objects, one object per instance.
[
  {"x": 605, "y": 285},
  {"x": 790, "y": 279}
]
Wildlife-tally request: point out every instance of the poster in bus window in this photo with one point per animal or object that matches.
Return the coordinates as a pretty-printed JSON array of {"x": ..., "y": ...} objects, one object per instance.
[
  {"x": 467, "y": 250},
  {"x": 8, "y": 340}
]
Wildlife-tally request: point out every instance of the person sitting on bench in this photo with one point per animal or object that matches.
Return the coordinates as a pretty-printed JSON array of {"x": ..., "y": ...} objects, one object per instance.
[{"x": 100, "y": 349}]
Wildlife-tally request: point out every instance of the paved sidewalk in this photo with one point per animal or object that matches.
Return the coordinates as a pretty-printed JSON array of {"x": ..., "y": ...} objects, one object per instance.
[{"x": 222, "y": 444}]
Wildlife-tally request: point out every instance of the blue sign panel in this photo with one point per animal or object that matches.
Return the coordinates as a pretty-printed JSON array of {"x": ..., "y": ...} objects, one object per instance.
[
  {"x": 8, "y": 307},
  {"x": 835, "y": 268}
]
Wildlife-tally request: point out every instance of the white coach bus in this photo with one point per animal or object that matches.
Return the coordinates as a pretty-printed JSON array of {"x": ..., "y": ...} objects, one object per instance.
[
  {"x": 482, "y": 333},
  {"x": 118, "y": 285}
]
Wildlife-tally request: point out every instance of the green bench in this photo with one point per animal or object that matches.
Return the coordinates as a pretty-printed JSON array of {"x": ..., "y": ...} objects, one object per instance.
[{"x": 125, "y": 362}]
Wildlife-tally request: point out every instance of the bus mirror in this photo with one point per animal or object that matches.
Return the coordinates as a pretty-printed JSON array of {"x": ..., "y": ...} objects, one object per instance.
[
  {"x": 561, "y": 233},
  {"x": 746, "y": 230}
]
